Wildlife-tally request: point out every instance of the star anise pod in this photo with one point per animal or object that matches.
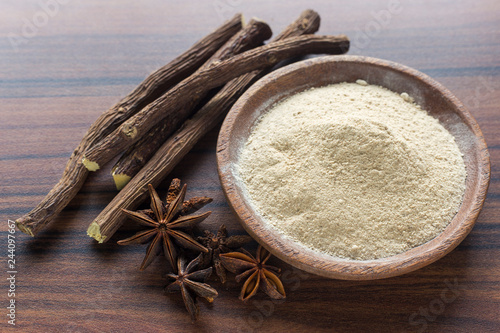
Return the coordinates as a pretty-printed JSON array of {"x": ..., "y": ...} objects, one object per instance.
[
  {"x": 256, "y": 273},
  {"x": 217, "y": 244},
  {"x": 191, "y": 284},
  {"x": 166, "y": 222}
]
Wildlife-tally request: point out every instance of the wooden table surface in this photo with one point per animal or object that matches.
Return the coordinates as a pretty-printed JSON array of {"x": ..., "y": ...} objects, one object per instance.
[{"x": 64, "y": 64}]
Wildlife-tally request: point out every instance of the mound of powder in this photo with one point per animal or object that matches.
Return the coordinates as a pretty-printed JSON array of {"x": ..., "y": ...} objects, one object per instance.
[{"x": 353, "y": 170}]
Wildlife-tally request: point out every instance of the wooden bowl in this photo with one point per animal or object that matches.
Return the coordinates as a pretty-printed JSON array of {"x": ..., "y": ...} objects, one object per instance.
[{"x": 316, "y": 72}]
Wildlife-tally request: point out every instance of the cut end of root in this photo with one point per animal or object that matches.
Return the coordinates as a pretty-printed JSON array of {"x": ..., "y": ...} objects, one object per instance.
[
  {"x": 94, "y": 231},
  {"x": 242, "y": 18},
  {"x": 91, "y": 166},
  {"x": 121, "y": 180},
  {"x": 25, "y": 229}
]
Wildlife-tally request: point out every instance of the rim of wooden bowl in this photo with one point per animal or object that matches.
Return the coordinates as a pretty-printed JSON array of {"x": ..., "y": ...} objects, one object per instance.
[{"x": 298, "y": 77}]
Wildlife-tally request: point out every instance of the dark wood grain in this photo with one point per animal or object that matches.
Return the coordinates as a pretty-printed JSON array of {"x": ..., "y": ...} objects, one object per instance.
[
  {"x": 92, "y": 53},
  {"x": 319, "y": 72}
]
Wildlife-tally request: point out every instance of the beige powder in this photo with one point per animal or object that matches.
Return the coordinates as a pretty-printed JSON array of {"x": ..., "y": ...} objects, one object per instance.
[{"x": 353, "y": 170}]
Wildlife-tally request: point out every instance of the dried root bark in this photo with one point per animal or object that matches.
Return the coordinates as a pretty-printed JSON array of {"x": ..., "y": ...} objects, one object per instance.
[{"x": 153, "y": 86}]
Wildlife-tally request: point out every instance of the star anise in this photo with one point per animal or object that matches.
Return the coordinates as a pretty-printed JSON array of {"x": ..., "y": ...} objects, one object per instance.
[
  {"x": 256, "y": 273},
  {"x": 191, "y": 284},
  {"x": 217, "y": 244},
  {"x": 165, "y": 222}
]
